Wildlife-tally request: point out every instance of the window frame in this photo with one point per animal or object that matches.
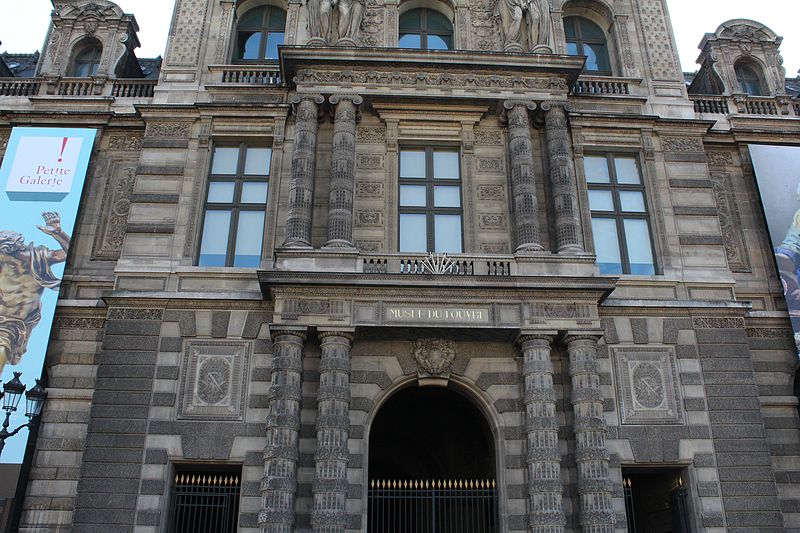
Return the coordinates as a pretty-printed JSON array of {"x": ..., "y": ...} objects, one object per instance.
[
  {"x": 618, "y": 215},
  {"x": 264, "y": 30},
  {"x": 429, "y": 181},
  {"x": 580, "y": 41},
  {"x": 236, "y": 206},
  {"x": 94, "y": 64},
  {"x": 424, "y": 31},
  {"x": 743, "y": 68}
]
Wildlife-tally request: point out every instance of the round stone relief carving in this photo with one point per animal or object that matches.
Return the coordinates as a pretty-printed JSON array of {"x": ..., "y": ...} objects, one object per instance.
[
  {"x": 648, "y": 385},
  {"x": 434, "y": 356},
  {"x": 213, "y": 380}
]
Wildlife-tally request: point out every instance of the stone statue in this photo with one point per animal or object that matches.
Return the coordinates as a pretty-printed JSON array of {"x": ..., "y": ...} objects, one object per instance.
[
  {"x": 537, "y": 21},
  {"x": 344, "y": 32},
  {"x": 24, "y": 275}
]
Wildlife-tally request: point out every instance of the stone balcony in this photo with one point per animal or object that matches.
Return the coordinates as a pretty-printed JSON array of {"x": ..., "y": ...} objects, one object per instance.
[
  {"x": 94, "y": 87},
  {"x": 741, "y": 104}
]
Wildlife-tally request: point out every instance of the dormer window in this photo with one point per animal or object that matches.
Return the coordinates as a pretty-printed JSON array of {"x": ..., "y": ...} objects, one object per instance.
[
  {"x": 87, "y": 61},
  {"x": 749, "y": 79},
  {"x": 259, "y": 33}
]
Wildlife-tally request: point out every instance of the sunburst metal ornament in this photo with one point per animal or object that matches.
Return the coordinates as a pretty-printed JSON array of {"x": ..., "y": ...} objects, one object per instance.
[{"x": 439, "y": 264}]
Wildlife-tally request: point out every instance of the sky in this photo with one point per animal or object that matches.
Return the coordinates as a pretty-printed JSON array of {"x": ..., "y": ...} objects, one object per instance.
[{"x": 23, "y": 24}]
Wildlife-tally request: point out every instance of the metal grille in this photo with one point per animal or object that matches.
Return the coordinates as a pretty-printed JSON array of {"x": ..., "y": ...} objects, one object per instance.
[
  {"x": 403, "y": 506},
  {"x": 205, "y": 503}
]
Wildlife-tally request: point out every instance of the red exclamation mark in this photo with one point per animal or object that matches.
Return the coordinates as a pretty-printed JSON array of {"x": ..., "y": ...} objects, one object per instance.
[{"x": 63, "y": 147}]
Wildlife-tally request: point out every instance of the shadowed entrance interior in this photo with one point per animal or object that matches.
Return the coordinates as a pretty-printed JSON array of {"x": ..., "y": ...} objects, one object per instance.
[{"x": 431, "y": 465}]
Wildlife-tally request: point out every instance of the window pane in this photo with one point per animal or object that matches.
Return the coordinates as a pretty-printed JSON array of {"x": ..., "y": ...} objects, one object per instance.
[
  {"x": 277, "y": 19},
  {"x": 446, "y": 196},
  {"x": 410, "y": 20},
  {"x": 448, "y": 233},
  {"x": 413, "y": 196},
  {"x": 601, "y": 201},
  {"x": 572, "y": 49},
  {"x": 220, "y": 192},
  {"x": 627, "y": 171},
  {"x": 596, "y": 169},
  {"x": 410, "y": 40},
  {"x": 225, "y": 161},
  {"x": 445, "y": 165},
  {"x": 413, "y": 233},
  {"x": 606, "y": 245},
  {"x": 257, "y": 161},
  {"x": 569, "y": 28},
  {"x": 597, "y": 57},
  {"x": 274, "y": 39},
  {"x": 82, "y": 70},
  {"x": 591, "y": 31},
  {"x": 632, "y": 201},
  {"x": 214, "y": 248},
  {"x": 254, "y": 192},
  {"x": 438, "y": 22},
  {"x": 412, "y": 164},
  {"x": 248, "y": 44},
  {"x": 640, "y": 253},
  {"x": 252, "y": 19},
  {"x": 248, "y": 239},
  {"x": 438, "y": 42}
]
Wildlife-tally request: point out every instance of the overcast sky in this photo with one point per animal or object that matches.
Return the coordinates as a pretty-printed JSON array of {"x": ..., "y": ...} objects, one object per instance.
[{"x": 23, "y": 24}]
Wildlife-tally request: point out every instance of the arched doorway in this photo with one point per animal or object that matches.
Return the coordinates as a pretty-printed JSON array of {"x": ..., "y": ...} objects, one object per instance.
[{"x": 431, "y": 465}]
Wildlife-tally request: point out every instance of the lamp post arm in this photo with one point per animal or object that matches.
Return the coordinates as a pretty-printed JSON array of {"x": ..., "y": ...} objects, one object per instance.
[{"x": 4, "y": 433}]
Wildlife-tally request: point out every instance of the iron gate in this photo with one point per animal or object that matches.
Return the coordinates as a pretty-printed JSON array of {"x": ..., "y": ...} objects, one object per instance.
[
  {"x": 439, "y": 506},
  {"x": 205, "y": 503}
]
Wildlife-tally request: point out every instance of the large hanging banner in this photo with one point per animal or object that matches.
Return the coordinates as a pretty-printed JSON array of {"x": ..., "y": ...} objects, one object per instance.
[
  {"x": 778, "y": 177},
  {"x": 42, "y": 178}
]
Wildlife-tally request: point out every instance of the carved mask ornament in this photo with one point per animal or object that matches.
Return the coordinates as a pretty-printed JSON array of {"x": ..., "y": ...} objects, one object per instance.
[{"x": 434, "y": 357}]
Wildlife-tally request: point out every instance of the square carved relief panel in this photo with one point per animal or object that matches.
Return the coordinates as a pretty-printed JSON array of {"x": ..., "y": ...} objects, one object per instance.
[
  {"x": 213, "y": 385},
  {"x": 647, "y": 386}
]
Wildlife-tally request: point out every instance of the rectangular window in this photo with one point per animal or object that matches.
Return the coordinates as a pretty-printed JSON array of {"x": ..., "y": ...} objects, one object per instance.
[
  {"x": 620, "y": 222},
  {"x": 205, "y": 499},
  {"x": 235, "y": 209},
  {"x": 430, "y": 201}
]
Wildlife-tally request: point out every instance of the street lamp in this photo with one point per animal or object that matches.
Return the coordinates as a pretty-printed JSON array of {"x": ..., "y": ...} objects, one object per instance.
[{"x": 11, "y": 396}]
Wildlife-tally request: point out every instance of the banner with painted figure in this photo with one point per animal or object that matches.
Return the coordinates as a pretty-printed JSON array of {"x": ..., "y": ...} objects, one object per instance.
[
  {"x": 41, "y": 176},
  {"x": 778, "y": 175}
]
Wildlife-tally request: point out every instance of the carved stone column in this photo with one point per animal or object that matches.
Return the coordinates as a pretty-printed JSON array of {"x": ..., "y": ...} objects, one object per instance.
[
  {"x": 524, "y": 207},
  {"x": 591, "y": 453},
  {"x": 333, "y": 430},
  {"x": 304, "y": 159},
  {"x": 279, "y": 484},
  {"x": 545, "y": 507},
  {"x": 569, "y": 236},
  {"x": 343, "y": 171}
]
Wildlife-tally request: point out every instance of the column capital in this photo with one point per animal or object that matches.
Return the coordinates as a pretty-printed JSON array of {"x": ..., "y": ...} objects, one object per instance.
[
  {"x": 549, "y": 105},
  {"x": 514, "y": 102},
  {"x": 279, "y": 331},
  {"x": 345, "y": 334},
  {"x": 589, "y": 335},
  {"x": 355, "y": 99},
  {"x": 298, "y": 98},
  {"x": 544, "y": 336}
]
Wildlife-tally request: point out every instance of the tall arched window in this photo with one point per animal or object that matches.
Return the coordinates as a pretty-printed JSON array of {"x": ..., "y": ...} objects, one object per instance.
[
  {"x": 87, "y": 61},
  {"x": 425, "y": 29},
  {"x": 585, "y": 38},
  {"x": 258, "y": 34},
  {"x": 749, "y": 79}
]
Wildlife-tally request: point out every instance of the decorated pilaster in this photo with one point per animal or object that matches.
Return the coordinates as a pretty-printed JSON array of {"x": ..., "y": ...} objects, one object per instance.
[
  {"x": 569, "y": 237},
  {"x": 343, "y": 171},
  {"x": 524, "y": 207},
  {"x": 301, "y": 188},
  {"x": 591, "y": 453},
  {"x": 279, "y": 484},
  {"x": 333, "y": 431},
  {"x": 545, "y": 507}
]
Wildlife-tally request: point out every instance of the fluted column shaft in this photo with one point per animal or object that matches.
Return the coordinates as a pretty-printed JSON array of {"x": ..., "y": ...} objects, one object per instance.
[
  {"x": 304, "y": 159},
  {"x": 279, "y": 484},
  {"x": 333, "y": 431},
  {"x": 546, "y": 511},
  {"x": 591, "y": 453},
  {"x": 343, "y": 171},
  {"x": 563, "y": 184},
  {"x": 524, "y": 207}
]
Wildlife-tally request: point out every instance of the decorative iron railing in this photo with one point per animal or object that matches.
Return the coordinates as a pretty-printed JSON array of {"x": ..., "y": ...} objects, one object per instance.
[
  {"x": 437, "y": 264},
  {"x": 438, "y": 506},
  {"x": 205, "y": 503}
]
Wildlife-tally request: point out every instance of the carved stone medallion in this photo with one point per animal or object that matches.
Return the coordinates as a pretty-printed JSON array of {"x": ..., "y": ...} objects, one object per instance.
[
  {"x": 213, "y": 385},
  {"x": 434, "y": 357},
  {"x": 647, "y": 385}
]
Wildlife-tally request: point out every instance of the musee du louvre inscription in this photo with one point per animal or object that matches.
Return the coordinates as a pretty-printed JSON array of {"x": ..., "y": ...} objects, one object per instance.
[{"x": 438, "y": 315}]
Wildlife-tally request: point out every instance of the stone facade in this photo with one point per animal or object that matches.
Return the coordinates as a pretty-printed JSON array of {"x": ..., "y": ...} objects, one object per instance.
[{"x": 581, "y": 376}]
